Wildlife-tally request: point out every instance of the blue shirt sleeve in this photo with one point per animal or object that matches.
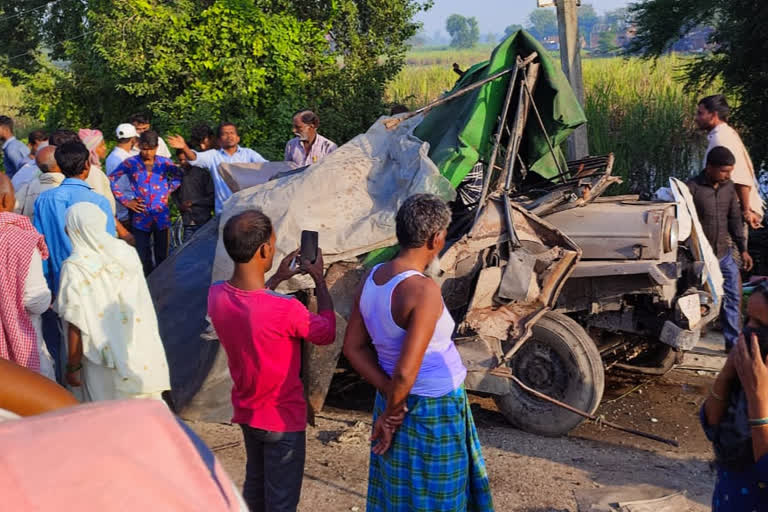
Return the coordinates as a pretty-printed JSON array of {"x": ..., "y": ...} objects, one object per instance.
[
  {"x": 16, "y": 152},
  {"x": 255, "y": 158},
  {"x": 46, "y": 262},
  {"x": 106, "y": 208},
  {"x": 175, "y": 175},
  {"x": 204, "y": 158}
]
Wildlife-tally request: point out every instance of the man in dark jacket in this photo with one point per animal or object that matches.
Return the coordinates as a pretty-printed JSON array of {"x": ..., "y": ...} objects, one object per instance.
[
  {"x": 719, "y": 210},
  {"x": 195, "y": 197}
]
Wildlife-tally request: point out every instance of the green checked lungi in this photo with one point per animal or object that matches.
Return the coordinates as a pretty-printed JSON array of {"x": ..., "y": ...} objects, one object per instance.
[{"x": 434, "y": 463}]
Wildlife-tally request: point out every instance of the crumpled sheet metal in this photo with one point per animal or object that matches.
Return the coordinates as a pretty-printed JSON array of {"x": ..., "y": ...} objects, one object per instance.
[
  {"x": 555, "y": 256},
  {"x": 350, "y": 197}
]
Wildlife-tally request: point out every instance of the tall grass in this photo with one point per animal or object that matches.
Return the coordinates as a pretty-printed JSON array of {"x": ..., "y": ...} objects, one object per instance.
[
  {"x": 635, "y": 109},
  {"x": 415, "y": 86},
  {"x": 641, "y": 113},
  {"x": 447, "y": 56}
]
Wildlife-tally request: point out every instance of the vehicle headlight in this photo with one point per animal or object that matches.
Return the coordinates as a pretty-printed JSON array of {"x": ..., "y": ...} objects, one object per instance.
[{"x": 671, "y": 234}]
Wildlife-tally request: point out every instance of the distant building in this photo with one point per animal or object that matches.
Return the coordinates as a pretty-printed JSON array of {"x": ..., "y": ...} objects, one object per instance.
[
  {"x": 625, "y": 36},
  {"x": 695, "y": 41},
  {"x": 594, "y": 36},
  {"x": 551, "y": 43}
]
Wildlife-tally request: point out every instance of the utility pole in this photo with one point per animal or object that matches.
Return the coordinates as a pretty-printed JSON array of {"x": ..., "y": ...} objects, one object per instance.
[{"x": 570, "y": 60}]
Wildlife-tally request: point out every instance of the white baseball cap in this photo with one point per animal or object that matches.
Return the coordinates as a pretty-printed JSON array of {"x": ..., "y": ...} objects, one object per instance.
[{"x": 126, "y": 131}]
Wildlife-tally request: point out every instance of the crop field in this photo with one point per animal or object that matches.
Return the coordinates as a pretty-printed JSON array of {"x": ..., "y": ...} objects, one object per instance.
[{"x": 635, "y": 109}]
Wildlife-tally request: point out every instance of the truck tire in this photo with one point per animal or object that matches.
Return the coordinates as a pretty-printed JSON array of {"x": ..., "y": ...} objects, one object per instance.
[{"x": 561, "y": 361}]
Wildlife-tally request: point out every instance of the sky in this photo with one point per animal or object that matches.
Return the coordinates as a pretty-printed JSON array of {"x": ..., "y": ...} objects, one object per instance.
[{"x": 494, "y": 15}]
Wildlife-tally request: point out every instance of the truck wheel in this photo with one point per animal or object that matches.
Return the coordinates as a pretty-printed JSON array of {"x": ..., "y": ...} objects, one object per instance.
[{"x": 561, "y": 361}]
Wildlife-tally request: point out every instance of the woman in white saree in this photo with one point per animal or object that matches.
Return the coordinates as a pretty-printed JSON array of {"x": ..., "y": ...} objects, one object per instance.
[{"x": 114, "y": 346}]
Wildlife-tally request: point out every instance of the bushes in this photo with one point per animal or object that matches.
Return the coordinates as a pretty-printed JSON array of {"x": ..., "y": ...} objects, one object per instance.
[{"x": 251, "y": 62}]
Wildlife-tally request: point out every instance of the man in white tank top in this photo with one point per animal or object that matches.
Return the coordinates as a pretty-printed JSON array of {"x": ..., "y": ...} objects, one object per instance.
[{"x": 419, "y": 377}]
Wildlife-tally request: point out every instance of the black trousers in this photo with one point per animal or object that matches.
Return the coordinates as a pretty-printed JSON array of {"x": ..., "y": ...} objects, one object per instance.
[
  {"x": 151, "y": 242},
  {"x": 274, "y": 470}
]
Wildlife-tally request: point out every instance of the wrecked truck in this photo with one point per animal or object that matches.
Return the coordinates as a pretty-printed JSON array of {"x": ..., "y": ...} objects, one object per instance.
[{"x": 548, "y": 281}]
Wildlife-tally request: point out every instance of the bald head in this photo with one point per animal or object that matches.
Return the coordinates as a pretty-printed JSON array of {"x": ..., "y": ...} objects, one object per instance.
[
  {"x": 46, "y": 160},
  {"x": 7, "y": 198}
]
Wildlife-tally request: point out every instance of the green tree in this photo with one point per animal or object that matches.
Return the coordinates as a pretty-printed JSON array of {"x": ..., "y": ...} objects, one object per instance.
[
  {"x": 252, "y": 62},
  {"x": 543, "y": 23},
  {"x": 588, "y": 18},
  {"x": 511, "y": 29},
  {"x": 738, "y": 58},
  {"x": 617, "y": 18},
  {"x": 464, "y": 32},
  {"x": 606, "y": 44}
]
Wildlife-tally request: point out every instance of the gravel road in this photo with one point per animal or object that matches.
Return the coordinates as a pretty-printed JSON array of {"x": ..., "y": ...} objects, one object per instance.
[{"x": 528, "y": 473}]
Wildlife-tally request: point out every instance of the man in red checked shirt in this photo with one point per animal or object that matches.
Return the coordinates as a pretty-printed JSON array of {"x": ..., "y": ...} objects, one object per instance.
[
  {"x": 152, "y": 179},
  {"x": 261, "y": 332}
]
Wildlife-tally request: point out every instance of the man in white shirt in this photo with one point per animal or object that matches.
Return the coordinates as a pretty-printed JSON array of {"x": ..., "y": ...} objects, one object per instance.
[
  {"x": 142, "y": 124},
  {"x": 126, "y": 141},
  {"x": 229, "y": 151},
  {"x": 308, "y": 147},
  {"x": 712, "y": 115},
  {"x": 51, "y": 177}
]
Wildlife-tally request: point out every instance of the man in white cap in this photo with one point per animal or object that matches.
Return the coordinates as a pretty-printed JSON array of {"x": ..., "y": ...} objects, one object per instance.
[{"x": 126, "y": 140}]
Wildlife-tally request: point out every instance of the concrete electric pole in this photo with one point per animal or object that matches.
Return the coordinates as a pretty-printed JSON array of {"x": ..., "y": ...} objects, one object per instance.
[{"x": 570, "y": 60}]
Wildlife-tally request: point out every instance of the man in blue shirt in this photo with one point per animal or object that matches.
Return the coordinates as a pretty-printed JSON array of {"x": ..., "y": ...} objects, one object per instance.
[
  {"x": 229, "y": 152},
  {"x": 15, "y": 152},
  {"x": 51, "y": 207}
]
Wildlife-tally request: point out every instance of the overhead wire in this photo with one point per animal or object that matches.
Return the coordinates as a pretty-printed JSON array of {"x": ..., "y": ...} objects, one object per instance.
[
  {"x": 22, "y": 13},
  {"x": 57, "y": 43}
]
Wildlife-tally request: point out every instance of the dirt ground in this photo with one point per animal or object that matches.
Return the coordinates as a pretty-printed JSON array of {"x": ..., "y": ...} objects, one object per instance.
[{"x": 528, "y": 473}]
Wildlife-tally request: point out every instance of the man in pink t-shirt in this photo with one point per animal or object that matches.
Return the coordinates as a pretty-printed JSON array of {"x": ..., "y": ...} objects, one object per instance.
[{"x": 261, "y": 332}]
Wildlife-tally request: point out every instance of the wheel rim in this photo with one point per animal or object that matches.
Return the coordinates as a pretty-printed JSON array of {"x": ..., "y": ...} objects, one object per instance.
[{"x": 539, "y": 366}]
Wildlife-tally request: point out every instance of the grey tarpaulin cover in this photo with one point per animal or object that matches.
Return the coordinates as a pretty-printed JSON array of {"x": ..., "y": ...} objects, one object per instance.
[
  {"x": 179, "y": 288},
  {"x": 350, "y": 197}
]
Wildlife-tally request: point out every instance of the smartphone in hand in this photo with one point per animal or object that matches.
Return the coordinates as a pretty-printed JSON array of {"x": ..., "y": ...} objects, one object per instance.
[{"x": 309, "y": 245}]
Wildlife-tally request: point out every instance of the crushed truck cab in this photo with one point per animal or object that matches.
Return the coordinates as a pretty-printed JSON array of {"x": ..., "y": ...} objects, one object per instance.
[{"x": 549, "y": 281}]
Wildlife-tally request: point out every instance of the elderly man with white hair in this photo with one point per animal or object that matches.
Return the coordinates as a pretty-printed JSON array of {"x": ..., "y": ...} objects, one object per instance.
[
  {"x": 308, "y": 147},
  {"x": 50, "y": 177}
]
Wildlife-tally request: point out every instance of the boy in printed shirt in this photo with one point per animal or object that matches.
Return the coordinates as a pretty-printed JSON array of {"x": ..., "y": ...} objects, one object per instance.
[
  {"x": 152, "y": 179},
  {"x": 261, "y": 332}
]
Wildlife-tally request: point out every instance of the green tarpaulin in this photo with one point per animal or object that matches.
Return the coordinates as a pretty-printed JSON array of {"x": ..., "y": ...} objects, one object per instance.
[{"x": 461, "y": 131}]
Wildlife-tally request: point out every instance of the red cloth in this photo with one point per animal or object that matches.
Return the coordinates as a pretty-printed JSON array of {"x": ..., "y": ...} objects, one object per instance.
[
  {"x": 261, "y": 332},
  {"x": 18, "y": 239}
]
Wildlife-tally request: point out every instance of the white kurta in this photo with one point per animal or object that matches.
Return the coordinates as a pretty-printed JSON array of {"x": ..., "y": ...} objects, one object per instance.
[
  {"x": 32, "y": 191},
  {"x": 743, "y": 170},
  {"x": 37, "y": 300},
  {"x": 100, "y": 184}
]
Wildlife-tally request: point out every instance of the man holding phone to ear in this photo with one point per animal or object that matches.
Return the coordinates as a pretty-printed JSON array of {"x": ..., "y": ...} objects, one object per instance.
[{"x": 261, "y": 332}]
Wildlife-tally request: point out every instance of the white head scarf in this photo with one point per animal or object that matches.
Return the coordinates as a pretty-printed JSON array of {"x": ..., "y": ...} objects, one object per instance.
[
  {"x": 103, "y": 292},
  {"x": 93, "y": 248}
]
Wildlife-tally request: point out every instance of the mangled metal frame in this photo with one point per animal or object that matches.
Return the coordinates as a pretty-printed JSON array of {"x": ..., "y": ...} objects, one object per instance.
[{"x": 508, "y": 269}]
